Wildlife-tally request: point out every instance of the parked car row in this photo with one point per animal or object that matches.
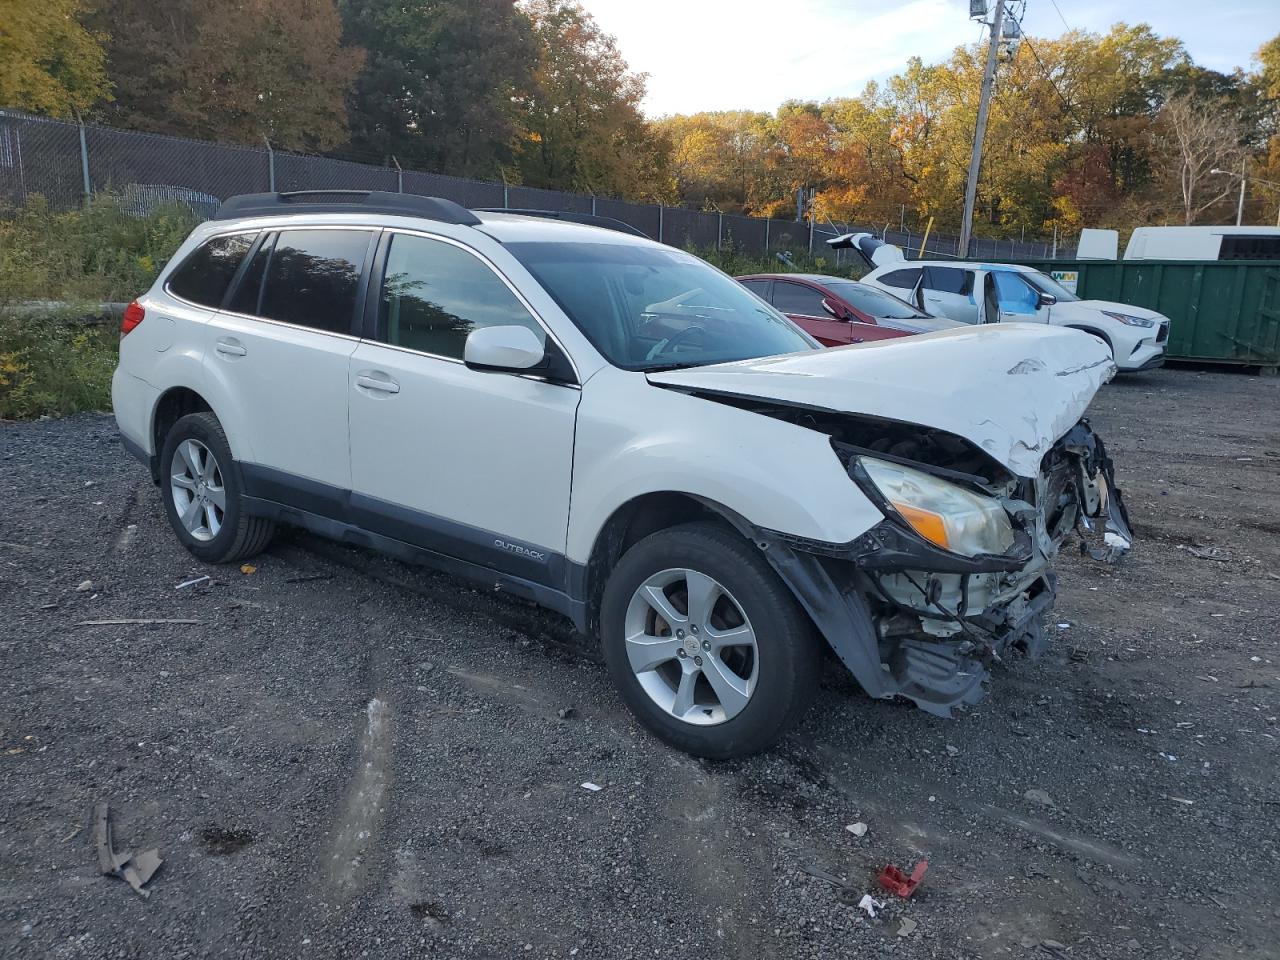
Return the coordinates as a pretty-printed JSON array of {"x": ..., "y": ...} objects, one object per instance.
[
  {"x": 980, "y": 293},
  {"x": 615, "y": 430}
]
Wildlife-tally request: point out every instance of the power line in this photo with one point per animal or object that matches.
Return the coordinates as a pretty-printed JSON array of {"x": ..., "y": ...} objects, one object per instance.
[
  {"x": 1044, "y": 71},
  {"x": 1060, "y": 16}
]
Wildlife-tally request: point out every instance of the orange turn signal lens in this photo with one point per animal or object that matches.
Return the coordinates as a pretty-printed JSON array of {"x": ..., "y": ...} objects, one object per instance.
[{"x": 928, "y": 525}]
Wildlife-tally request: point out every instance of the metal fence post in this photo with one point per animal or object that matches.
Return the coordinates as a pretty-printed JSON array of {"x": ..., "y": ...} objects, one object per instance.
[
  {"x": 271, "y": 165},
  {"x": 84, "y": 163},
  {"x": 506, "y": 193},
  {"x": 719, "y": 230},
  {"x": 593, "y": 204},
  {"x": 766, "y": 236},
  {"x": 811, "y": 231},
  {"x": 399, "y": 175},
  {"x": 660, "y": 218}
]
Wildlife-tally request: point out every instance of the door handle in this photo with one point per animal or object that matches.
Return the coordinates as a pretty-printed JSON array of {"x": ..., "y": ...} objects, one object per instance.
[
  {"x": 377, "y": 384},
  {"x": 230, "y": 347}
]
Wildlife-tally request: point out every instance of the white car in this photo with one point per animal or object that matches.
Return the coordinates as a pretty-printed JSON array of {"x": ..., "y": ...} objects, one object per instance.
[
  {"x": 998, "y": 292},
  {"x": 616, "y": 430}
]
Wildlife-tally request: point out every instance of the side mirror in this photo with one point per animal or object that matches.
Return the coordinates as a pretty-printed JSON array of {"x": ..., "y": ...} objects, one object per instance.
[
  {"x": 515, "y": 349},
  {"x": 509, "y": 349},
  {"x": 1046, "y": 300},
  {"x": 830, "y": 308}
]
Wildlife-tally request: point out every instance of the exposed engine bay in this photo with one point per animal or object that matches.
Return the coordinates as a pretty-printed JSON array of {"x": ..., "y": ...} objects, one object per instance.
[{"x": 910, "y": 616}]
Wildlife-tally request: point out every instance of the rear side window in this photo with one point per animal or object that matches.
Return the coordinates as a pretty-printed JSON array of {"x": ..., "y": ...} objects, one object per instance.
[
  {"x": 204, "y": 276},
  {"x": 759, "y": 287},
  {"x": 906, "y": 279},
  {"x": 434, "y": 294},
  {"x": 312, "y": 278},
  {"x": 949, "y": 280},
  {"x": 796, "y": 298}
]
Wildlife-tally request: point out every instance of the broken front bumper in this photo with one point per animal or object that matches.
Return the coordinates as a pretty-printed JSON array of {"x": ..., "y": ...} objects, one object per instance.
[{"x": 911, "y": 619}]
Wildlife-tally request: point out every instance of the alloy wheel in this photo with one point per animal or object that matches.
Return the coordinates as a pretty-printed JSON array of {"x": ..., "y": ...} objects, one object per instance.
[
  {"x": 691, "y": 646},
  {"x": 195, "y": 482}
]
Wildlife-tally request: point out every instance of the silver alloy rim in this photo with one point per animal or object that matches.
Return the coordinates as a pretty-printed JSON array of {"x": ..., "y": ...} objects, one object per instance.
[
  {"x": 195, "y": 481},
  {"x": 691, "y": 646}
]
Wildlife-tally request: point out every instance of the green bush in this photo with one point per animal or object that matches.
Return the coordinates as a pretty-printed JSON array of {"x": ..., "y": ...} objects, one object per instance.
[
  {"x": 56, "y": 268},
  {"x": 93, "y": 254},
  {"x": 51, "y": 365}
]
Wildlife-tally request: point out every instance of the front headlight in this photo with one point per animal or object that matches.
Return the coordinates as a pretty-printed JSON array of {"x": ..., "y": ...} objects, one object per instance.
[
  {"x": 943, "y": 513},
  {"x": 1130, "y": 321}
]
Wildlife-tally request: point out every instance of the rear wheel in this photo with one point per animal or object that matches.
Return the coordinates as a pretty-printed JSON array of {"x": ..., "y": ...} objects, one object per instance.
[
  {"x": 707, "y": 646},
  {"x": 202, "y": 494}
]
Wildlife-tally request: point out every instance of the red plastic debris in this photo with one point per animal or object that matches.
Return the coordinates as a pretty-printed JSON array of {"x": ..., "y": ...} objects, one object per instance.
[{"x": 895, "y": 881}]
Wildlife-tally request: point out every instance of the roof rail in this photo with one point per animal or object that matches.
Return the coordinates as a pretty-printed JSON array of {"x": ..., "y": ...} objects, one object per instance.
[
  {"x": 346, "y": 201},
  {"x": 588, "y": 219}
]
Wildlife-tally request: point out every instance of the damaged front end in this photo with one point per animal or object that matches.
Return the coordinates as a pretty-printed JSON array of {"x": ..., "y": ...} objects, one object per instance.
[{"x": 958, "y": 574}]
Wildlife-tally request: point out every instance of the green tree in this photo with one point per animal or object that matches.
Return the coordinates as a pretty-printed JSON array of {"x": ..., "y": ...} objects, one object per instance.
[
  {"x": 49, "y": 62},
  {"x": 233, "y": 70},
  {"x": 440, "y": 85},
  {"x": 582, "y": 120}
]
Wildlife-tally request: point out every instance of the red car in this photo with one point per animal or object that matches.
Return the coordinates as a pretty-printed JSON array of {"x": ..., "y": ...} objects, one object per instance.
[{"x": 836, "y": 311}]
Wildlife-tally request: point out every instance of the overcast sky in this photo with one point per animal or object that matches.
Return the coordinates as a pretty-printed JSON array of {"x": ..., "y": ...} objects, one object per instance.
[{"x": 724, "y": 54}]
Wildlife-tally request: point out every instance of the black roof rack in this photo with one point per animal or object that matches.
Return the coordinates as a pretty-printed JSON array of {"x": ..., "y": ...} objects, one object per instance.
[
  {"x": 588, "y": 219},
  {"x": 345, "y": 201}
]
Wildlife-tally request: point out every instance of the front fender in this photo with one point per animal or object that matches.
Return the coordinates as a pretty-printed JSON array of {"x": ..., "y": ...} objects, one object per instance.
[{"x": 635, "y": 439}]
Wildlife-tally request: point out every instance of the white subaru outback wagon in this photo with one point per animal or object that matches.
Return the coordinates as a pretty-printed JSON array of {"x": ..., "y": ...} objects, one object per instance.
[{"x": 616, "y": 430}]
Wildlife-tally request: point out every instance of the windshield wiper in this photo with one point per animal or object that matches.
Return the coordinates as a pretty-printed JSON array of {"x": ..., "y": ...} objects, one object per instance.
[{"x": 664, "y": 367}]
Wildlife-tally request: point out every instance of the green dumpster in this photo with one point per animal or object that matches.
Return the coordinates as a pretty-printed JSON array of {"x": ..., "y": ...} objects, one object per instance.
[{"x": 1222, "y": 311}]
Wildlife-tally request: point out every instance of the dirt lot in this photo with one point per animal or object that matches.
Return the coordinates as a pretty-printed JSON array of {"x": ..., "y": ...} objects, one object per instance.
[{"x": 348, "y": 757}]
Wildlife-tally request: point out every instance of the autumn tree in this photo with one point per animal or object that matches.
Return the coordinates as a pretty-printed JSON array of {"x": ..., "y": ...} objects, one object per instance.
[
  {"x": 441, "y": 83},
  {"x": 234, "y": 70},
  {"x": 1196, "y": 138},
  {"x": 583, "y": 129},
  {"x": 49, "y": 62}
]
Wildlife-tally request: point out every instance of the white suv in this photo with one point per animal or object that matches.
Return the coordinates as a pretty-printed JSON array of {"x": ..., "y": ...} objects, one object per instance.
[
  {"x": 618, "y": 431},
  {"x": 1003, "y": 292}
]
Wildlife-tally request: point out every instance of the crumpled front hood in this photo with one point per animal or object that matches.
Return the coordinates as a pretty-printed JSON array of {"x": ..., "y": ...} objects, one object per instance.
[{"x": 1012, "y": 388}]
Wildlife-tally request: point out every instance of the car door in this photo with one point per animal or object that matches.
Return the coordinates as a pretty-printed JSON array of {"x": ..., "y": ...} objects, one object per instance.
[
  {"x": 949, "y": 291},
  {"x": 803, "y": 304},
  {"x": 1017, "y": 299},
  {"x": 472, "y": 464},
  {"x": 903, "y": 283},
  {"x": 279, "y": 352}
]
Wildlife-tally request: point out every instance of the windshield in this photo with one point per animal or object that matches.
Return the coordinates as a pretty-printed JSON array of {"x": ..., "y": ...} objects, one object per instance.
[
  {"x": 650, "y": 308},
  {"x": 1046, "y": 284},
  {"x": 875, "y": 302}
]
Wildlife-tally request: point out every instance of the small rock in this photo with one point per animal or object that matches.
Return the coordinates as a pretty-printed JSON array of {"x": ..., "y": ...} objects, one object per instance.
[
  {"x": 564, "y": 713},
  {"x": 858, "y": 829},
  {"x": 952, "y": 751},
  {"x": 1053, "y": 945},
  {"x": 85, "y": 586},
  {"x": 1039, "y": 796},
  {"x": 905, "y": 926}
]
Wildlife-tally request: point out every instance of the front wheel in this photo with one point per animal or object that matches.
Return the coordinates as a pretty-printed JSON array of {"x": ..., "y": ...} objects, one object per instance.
[
  {"x": 707, "y": 646},
  {"x": 202, "y": 495}
]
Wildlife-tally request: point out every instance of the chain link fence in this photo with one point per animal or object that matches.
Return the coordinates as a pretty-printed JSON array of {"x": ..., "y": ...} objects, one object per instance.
[{"x": 67, "y": 163}]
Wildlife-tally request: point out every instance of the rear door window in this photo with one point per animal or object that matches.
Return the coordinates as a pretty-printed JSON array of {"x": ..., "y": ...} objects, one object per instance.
[
  {"x": 949, "y": 280},
  {"x": 906, "y": 279},
  {"x": 759, "y": 287},
  {"x": 798, "y": 299},
  {"x": 313, "y": 278},
  {"x": 204, "y": 276}
]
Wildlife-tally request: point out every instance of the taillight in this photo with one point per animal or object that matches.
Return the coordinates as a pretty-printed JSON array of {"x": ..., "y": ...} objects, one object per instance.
[{"x": 133, "y": 315}]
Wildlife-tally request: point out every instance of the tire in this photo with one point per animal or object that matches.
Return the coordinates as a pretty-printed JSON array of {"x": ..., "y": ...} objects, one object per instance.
[
  {"x": 237, "y": 535},
  {"x": 778, "y": 673}
]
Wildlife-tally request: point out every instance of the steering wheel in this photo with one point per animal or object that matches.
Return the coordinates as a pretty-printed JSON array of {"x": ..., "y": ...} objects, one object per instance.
[{"x": 668, "y": 344}]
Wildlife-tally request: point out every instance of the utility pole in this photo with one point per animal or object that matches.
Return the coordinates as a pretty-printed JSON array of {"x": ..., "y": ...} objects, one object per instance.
[
  {"x": 1243, "y": 180},
  {"x": 980, "y": 131}
]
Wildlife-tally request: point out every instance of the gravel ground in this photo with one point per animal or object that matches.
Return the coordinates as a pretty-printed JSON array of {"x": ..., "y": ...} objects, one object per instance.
[{"x": 346, "y": 757}]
